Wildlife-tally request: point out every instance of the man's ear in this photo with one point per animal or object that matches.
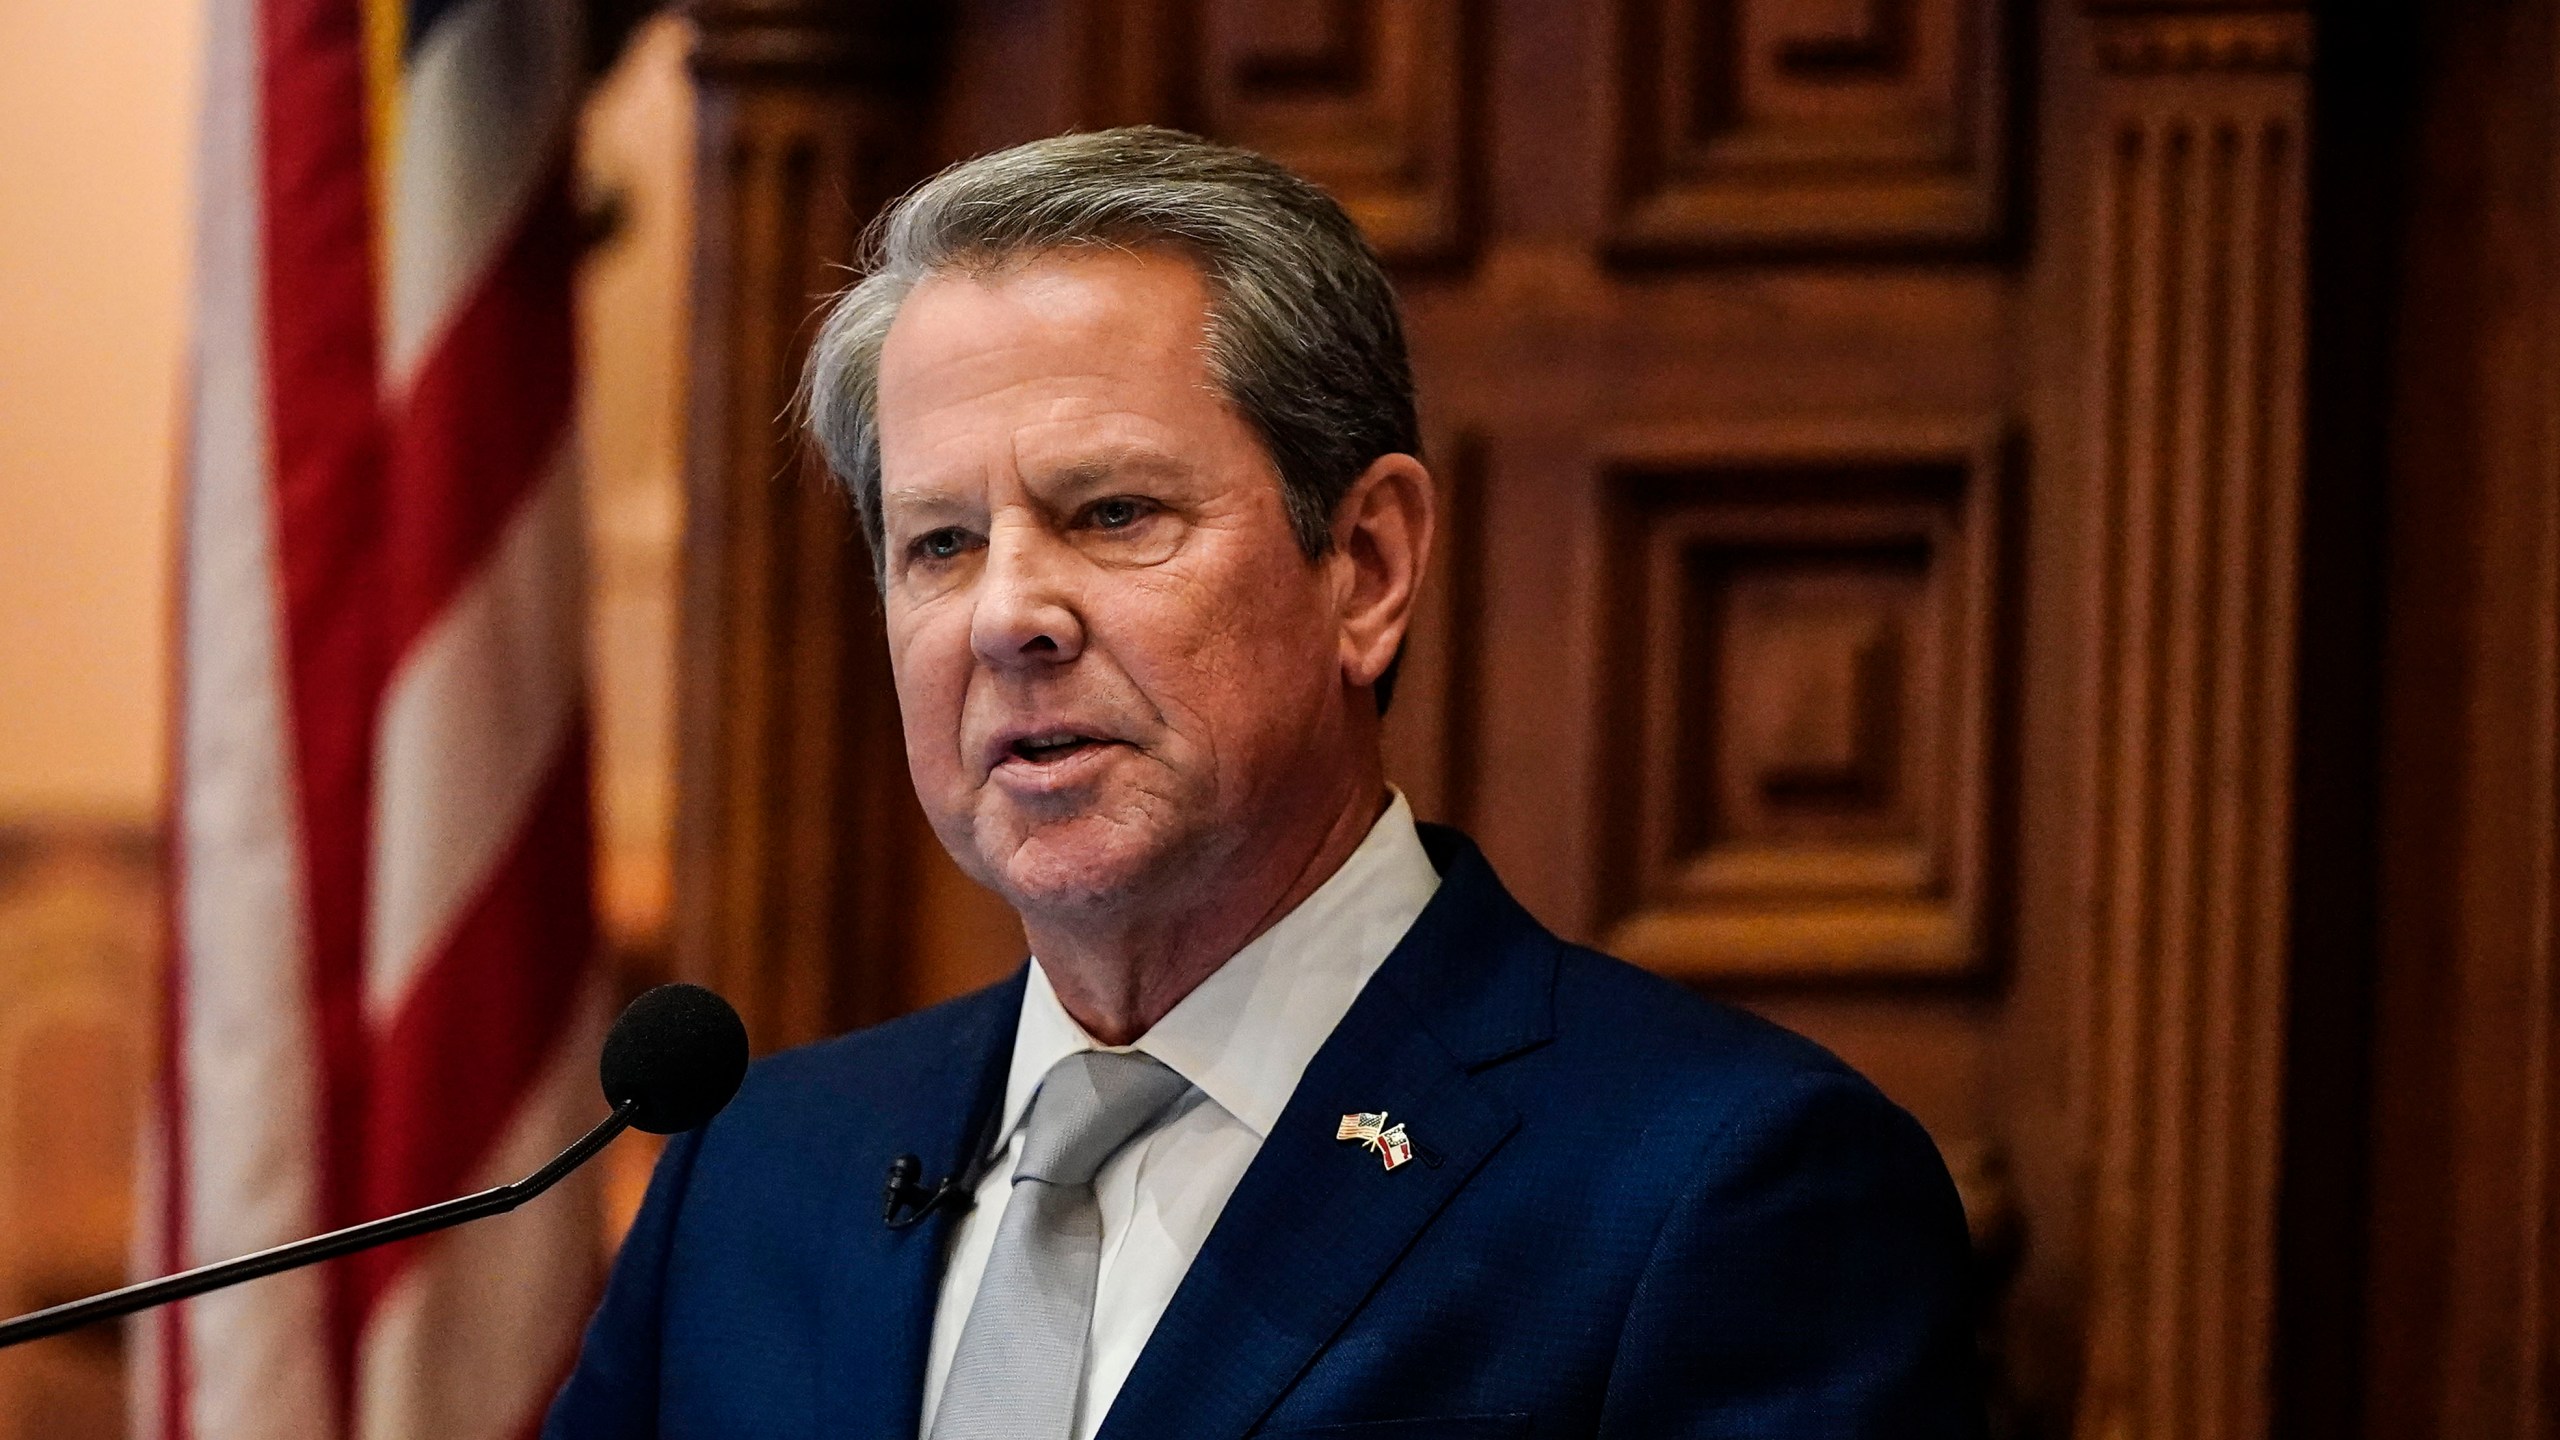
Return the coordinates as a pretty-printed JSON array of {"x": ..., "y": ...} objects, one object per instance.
[{"x": 1381, "y": 542}]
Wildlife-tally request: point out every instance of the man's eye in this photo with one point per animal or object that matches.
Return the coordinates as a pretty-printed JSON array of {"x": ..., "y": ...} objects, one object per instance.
[
  {"x": 1118, "y": 514},
  {"x": 942, "y": 544}
]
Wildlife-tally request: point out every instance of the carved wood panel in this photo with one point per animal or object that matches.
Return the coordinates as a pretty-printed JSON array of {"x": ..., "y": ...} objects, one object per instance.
[
  {"x": 792, "y": 849},
  {"x": 1767, "y": 126},
  {"x": 1804, "y": 636},
  {"x": 2195, "y": 329},
  {"x": 1368, "y": 98}
]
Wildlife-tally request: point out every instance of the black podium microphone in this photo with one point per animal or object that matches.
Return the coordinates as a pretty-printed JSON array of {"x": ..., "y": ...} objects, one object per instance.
[{"x": 671, "y": 1061}]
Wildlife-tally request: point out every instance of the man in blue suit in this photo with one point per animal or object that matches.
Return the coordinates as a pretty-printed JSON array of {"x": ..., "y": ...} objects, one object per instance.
[{"x": 1296, "y": 1124}]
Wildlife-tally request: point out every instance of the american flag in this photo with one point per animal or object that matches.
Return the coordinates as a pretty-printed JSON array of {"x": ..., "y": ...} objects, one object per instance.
[{"x": 381, "y": 985}]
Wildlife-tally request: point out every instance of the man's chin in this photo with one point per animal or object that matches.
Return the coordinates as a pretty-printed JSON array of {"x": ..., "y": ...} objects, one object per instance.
[{"x": 1083, "y": 866}]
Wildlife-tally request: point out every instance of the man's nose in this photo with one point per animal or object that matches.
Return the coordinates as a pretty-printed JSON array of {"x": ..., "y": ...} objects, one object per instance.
[{"x": 1025, "y": 612}]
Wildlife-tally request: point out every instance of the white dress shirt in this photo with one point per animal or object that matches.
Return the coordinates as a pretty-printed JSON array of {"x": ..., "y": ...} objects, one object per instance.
[{"x": 1242, "y": 1039}]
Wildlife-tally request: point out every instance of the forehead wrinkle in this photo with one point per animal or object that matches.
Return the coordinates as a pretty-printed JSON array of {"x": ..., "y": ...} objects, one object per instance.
[
  {"x": 920, "y": 497},
  {"x": 1122, "y": 462}
]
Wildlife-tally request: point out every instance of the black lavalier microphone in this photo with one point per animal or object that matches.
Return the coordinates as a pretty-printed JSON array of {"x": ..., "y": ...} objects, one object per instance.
[
  {"x": 902, "y": 1193},
  {"x": 671, "y": 1061}
]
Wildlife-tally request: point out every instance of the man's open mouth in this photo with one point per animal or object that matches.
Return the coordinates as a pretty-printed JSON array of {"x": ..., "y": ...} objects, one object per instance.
[{"x": 1041, "y": 748}]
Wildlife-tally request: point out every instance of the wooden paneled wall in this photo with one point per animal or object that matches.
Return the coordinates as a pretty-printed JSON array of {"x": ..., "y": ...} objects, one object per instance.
[{"x": 1914, "y": 506}]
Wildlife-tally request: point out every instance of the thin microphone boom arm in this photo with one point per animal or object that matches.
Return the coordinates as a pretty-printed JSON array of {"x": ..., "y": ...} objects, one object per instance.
[{"x": 143, "y": 1296}]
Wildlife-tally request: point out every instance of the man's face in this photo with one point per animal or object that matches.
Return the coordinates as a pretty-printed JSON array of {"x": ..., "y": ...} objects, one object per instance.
[{"x": 1111, "y": 655}]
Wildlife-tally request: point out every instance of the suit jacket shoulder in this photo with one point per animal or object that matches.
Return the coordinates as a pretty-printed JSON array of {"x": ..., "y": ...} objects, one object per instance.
[
  {"x": 1696, "y": 1064},
  {"x": 1586, "y": 1025},
  {"x": 875, "y": 1071},
  {"x": 759, "y": 1291}
]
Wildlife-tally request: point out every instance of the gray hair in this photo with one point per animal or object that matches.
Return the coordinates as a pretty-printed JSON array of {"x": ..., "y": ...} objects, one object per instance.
[{"x": 1303, "y": 333}]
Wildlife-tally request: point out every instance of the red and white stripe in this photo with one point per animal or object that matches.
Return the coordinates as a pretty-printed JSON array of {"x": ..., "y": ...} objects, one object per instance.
[{"x": 381, "y": 989}]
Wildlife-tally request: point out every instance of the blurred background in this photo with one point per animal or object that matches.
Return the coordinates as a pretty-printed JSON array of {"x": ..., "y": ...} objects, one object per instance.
[{"x": 2018, "y": 537}]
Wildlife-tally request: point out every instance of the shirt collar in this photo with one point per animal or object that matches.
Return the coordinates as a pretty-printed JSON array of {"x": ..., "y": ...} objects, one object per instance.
[{"x": 1245, "y": 1034}]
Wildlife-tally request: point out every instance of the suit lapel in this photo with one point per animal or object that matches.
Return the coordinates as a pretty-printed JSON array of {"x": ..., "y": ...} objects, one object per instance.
[
  {"x": 1317, "y": 1223},
  {"x": 877, "y": 1308}
]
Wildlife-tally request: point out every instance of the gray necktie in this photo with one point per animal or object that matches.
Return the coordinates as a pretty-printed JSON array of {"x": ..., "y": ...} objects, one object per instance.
[{"x": 1020, "y": 1367}]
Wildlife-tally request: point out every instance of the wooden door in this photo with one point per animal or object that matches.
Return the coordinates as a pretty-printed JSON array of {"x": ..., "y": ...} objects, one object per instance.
[{"x": 1872, "y": 433}]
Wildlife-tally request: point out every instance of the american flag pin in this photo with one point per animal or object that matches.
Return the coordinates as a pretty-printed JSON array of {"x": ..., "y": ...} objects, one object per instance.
[{"x": 1370, "y": 1128}]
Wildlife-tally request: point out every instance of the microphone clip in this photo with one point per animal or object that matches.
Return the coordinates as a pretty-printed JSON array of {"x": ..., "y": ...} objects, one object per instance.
[{"x": 903, "y": 1193}]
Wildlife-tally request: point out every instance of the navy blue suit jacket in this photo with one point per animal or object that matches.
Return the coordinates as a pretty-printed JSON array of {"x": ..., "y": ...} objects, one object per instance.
[{"x": 1631, "y": 1212}]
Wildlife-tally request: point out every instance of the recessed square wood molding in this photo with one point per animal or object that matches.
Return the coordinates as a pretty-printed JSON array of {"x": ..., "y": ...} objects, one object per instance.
[
  {"x": 1368, "y": 98},
  {"x": 1803, "y": 652},
  {"x": 1761, "y": 126}
]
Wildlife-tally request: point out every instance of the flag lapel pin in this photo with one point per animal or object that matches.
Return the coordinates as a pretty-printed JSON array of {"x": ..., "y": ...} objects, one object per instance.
[{"x": 1370, "y": 1128}]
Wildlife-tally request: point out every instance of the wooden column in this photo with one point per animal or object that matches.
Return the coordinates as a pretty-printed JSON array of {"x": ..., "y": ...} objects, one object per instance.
[
  {"x": 2464, "y": 1303},
  {"x": 2195, "y": 425},
  {"x": 794, "y": 817}
]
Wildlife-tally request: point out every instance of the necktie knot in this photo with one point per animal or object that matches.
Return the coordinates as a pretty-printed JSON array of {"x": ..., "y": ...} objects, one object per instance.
[{"x": 1088, "y": 1106}]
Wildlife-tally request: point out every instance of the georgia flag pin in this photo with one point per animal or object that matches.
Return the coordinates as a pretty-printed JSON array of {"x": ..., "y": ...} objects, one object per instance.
[{"x": 1370, "y": 1128}]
